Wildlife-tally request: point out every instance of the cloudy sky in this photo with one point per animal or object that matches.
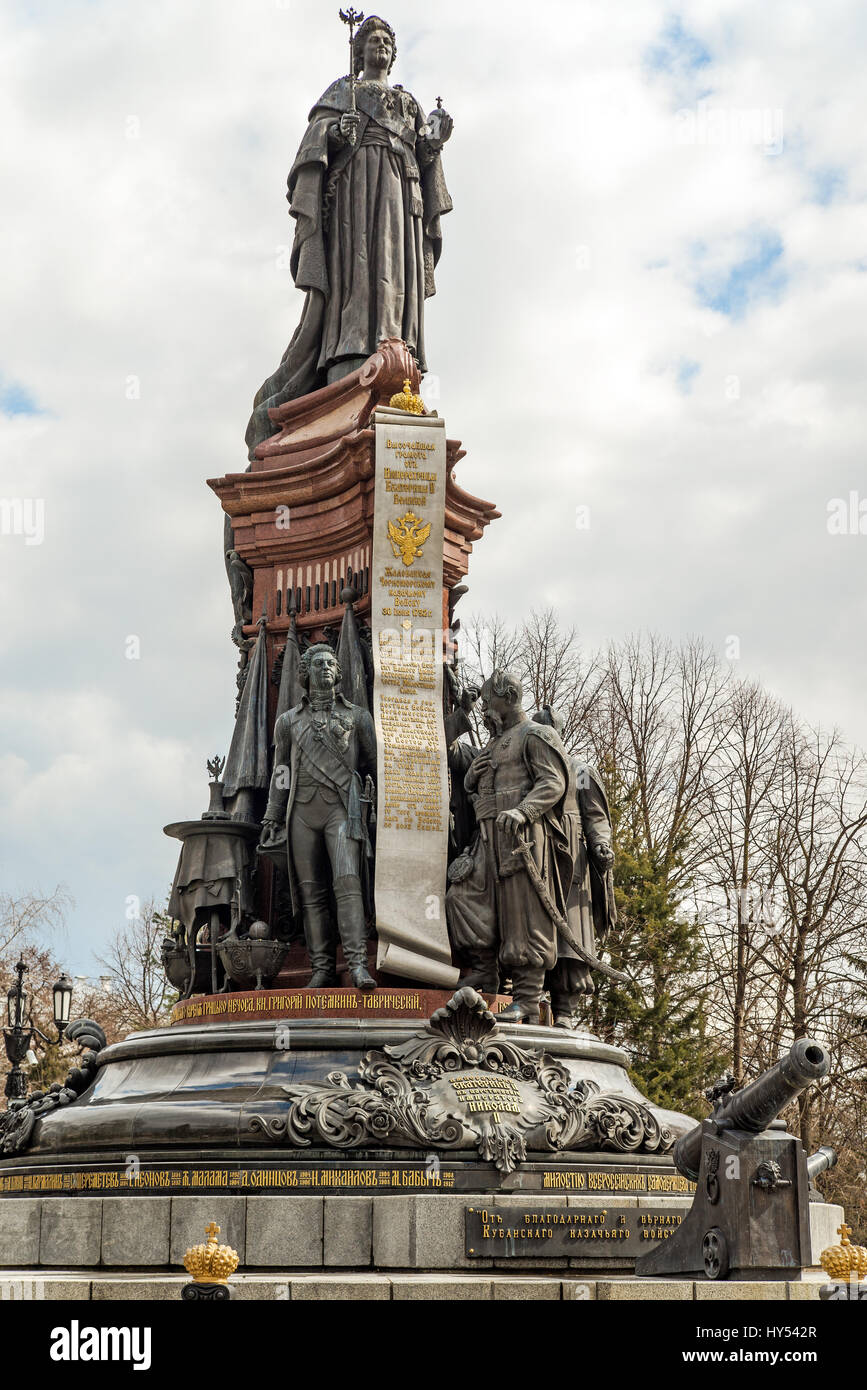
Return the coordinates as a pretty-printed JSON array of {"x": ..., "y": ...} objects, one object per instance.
[{"x": 651, "y": 313}]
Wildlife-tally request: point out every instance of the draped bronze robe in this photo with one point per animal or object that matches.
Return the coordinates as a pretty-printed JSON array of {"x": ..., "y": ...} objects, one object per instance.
[{"x": 367, "y": 239}]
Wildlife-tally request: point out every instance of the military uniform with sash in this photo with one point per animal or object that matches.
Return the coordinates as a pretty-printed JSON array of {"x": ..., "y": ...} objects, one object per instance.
[{"x": 324, "y": 751}]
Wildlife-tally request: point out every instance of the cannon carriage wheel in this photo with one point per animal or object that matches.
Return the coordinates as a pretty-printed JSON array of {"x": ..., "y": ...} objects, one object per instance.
[{"x": 715, "y": 1254}]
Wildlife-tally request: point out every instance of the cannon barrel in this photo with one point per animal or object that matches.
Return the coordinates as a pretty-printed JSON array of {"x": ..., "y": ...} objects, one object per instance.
[
  {"x": 753, "y": 1108},
  {"x": 820, "y": 1161}
]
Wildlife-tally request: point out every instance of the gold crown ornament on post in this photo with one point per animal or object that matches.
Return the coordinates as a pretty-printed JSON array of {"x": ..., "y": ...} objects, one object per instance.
[
  {"x": 841, "y": 1261},
  {"x": 405, "y": 400},
  {"x": 211, "y": 1266}
]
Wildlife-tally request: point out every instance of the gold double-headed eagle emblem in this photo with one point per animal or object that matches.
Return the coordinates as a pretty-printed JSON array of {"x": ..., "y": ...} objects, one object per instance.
[{"x": 407, "y": 536}]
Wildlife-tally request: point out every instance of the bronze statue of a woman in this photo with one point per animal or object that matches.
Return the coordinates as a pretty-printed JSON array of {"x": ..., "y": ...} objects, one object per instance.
[{"x": 367, "y": 193}]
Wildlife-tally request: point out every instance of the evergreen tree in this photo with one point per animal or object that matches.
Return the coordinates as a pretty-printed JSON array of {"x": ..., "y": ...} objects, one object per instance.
[{"x": 660, "y": 1016}]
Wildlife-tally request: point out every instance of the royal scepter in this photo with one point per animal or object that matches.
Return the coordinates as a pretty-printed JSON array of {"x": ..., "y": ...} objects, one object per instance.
[
  {"x": 435, "y": 119},
  {"x": 351, "y": 17}
]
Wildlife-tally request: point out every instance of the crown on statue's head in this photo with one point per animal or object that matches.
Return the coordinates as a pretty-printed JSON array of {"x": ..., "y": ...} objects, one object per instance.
[{"x": 211, "y": 1263}]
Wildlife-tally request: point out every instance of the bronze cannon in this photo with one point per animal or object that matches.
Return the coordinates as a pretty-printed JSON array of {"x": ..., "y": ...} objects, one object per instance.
[{"x": 750, "y": 1216}]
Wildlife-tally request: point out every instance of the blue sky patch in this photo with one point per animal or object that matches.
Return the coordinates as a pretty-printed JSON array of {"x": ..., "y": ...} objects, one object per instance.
[
  {"x": 16, "y": 400},
  {"x": 686, "y": 372},
  {"x": 758, "y": 273},
  {"x": 827, "y": 183},
  {"x": 677, "y": 52}
]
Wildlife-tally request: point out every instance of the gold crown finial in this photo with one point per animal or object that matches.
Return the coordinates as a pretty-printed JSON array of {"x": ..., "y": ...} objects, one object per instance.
[
  {"x": 405, "y": 400},
  {"x": 841, "y": 1261},
  {"x": 211, "y": 1263}
]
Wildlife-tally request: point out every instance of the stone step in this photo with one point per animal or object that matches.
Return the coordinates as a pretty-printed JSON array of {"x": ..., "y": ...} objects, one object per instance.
[{"x": 34, "y": 1284}]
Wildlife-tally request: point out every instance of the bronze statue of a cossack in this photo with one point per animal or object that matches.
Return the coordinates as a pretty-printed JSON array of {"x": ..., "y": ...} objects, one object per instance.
[{"x": 522, "y": 901}]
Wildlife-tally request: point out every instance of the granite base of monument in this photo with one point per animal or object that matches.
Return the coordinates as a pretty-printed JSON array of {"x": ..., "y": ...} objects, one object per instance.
[
  {"x": 391, "y": 1149},
  {"x": 325, "y": 1242}
]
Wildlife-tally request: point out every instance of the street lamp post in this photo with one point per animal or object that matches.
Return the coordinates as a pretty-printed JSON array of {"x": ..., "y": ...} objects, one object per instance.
[{"x": 20, "y": 1029}]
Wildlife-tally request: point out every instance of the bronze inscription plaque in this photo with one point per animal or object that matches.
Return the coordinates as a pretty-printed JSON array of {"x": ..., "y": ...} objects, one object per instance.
[{"x": 501, "y": 1232}]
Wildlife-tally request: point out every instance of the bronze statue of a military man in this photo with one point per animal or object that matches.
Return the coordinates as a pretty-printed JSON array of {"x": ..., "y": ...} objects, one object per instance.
[
  {"x": 324, "y": 747},
  {"x": 509, "y": 891}
]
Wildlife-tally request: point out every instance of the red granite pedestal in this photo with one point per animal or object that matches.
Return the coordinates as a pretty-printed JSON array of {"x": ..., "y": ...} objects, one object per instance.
[{"x": 303, "y": 514}]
